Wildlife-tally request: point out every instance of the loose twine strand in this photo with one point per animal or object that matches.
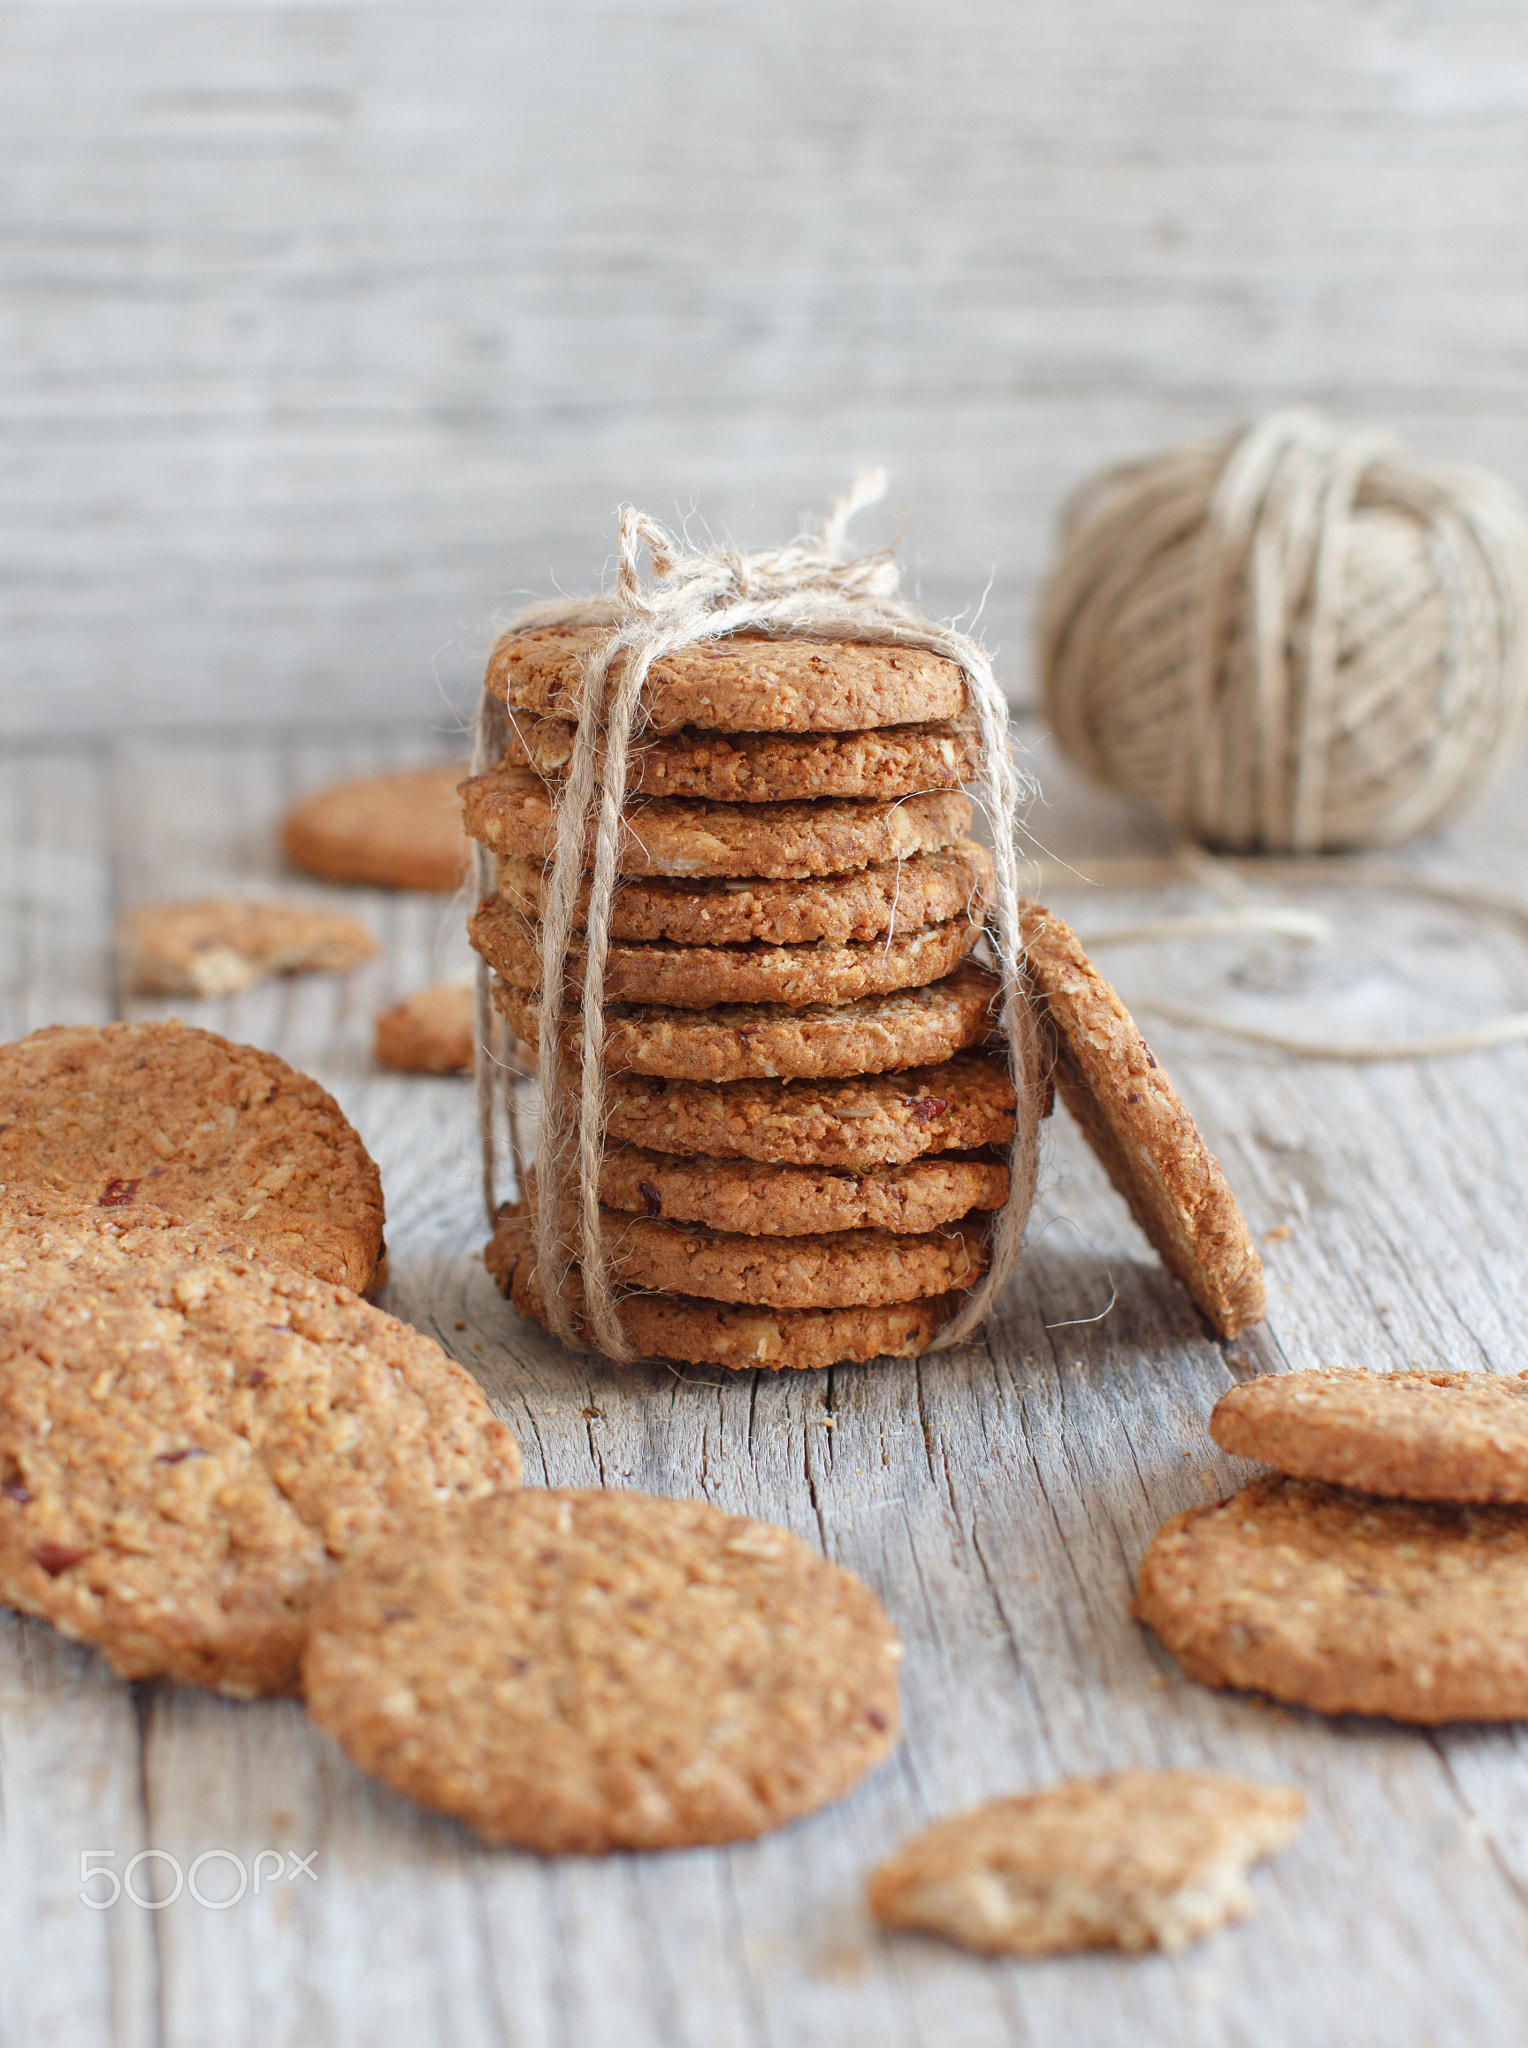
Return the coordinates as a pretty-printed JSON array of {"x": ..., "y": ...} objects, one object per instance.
[
  {"x": 1227, "y": 879},
  {"x": 1294, "y": 641},
  {"x": 809, "y": 589}
]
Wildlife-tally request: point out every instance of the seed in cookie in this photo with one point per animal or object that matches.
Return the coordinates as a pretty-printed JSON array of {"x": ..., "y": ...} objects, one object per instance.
[
  {"x": 222, "y": 945},
  {"x": 167, "y": 1116},
  {"x": 704, "y": 977},
  {"x": 1146, "y": 1140},
  {"x": 1460, "y": 1436},
  {"x": 430, "y": 1032},
  {"x": 1345, "y": 1603},
  {"x": 190, "y": 1441},
  {"x": 784, "y": 1201},
  {"x": 509, "y": 810},
  {"x": 696, "y": 1332},
  {"x": 401, "y": 830},
  {"x": 741, "y": 684},
  {"x": 1133, "y": 1860},
  {"x": 858, "y": 1125},
  {"x": 897, "y": 898},
  {"x": 581, "y": 1672},
  {"x": 910, "y": 1028},
  {"x": 761, "y": 768}
]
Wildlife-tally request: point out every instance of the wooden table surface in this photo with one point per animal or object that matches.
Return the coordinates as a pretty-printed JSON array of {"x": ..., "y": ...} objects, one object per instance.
[{"x": 998, "y": 1499}]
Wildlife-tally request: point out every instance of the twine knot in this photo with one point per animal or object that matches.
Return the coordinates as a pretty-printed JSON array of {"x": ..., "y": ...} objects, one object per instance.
[{"x": 772, "y": 584}]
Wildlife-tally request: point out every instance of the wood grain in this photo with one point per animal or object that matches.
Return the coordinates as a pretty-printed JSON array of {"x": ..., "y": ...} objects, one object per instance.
[
  {"x": 998, "y": 1499},
  {"x": 330, "y": 329}
]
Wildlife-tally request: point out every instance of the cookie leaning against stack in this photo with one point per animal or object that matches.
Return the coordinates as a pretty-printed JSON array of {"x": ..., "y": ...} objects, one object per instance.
[{"x": 798, "y": 904}]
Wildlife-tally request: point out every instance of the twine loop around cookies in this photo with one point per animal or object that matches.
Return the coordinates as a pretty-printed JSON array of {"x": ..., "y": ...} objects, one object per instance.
[{"x": 809, "y": 589}]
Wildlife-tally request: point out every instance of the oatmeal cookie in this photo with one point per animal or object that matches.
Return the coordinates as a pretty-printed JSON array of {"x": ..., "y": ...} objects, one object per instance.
[
  {"x": 767, "y": 767},
  {"x": 191, "y": 1440},
  {"x": 707, "y": 977},
  {"x": 742, "y": 684},
  {"x": 894, "y": 899},
  {"x": 401, "y": 830},
  {"x": 869, "y": 1121},
  {"x": 911, "y": 1028},
  {"x": 1420, "y": 1435},
  {"x": 169, "y": 1117},
  {"x": 696, "y": 1332},
  {"x": 1147, "y": 1141},
  {"x": 433, "y": 1031},
  {"x": 509, "y": 810},
  {"x": 786, "y": 1201},
  {"x": 581, "y": 1672},
  {"x": 1345, "y": 1603}
]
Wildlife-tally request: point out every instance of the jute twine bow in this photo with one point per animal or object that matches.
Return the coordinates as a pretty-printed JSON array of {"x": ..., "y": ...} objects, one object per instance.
[
  {"x": 1294, "y": 641},
  {"x": 807, "y": 590}
]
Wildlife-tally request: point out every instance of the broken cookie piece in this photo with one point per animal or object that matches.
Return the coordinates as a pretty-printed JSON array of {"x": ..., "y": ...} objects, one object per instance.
[
  {"x": 1132, "y": 1860},
  {"x": 222, "y": 945}
]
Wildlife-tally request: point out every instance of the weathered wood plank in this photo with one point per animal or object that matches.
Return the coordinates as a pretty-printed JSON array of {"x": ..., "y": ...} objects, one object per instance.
[
  {"x": 328, "y": 329},
  {"x": 998, "y": 1499},
  {"x": 69, "y": 1756}
]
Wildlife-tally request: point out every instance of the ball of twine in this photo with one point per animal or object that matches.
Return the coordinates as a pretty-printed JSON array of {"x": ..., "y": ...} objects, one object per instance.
[{"x": 1293, "y": 641}]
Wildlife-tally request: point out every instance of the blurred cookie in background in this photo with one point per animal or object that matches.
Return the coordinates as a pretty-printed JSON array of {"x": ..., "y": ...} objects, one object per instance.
[
  {"x": 401, "y": 830},
  {"x": 429, "y": 1032}
]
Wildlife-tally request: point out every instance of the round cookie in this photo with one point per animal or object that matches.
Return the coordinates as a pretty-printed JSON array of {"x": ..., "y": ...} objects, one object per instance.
[
  {"x": 581, "y": 1672},
  {"x": 698, "y": 1332},
  {"x": 741, "y": 684},
  {"x": 401, "y": 830},
  {"x": 1144, "y": 1137},
  {"x": 165, "y": 1115},
  {"x": 761, "y": 768},
  {"x": 703, "y": 977},
  {"x": 1132, "y": 1860},
  {"x": 433, "y": 1031},
  {"x": 911, "y": 1028},
  {"x": 1347, "y": 1604},
  {"x": 1444, "y": 1436},
  {"x": 858, "y": 1125},
  {"x": 509, "y": 810},
  {"x": 191, "y": 1439},
  {"x": 784, "y": 1201},
  {"x": 896, "y": 898},
  {"x": 221, "y": 945},
  {"x": 836, "y": 1269}
]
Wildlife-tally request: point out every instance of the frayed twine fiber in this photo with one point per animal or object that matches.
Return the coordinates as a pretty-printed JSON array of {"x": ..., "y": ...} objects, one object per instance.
[
  {"x": 1227, "y": 879},
  {"x": 1294, "y": 641},
  {"x": 806, "y": 590}
]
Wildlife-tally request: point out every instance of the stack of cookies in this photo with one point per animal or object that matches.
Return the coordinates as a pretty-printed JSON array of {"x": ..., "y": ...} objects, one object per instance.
[
  {"x": 1381, "y": 1569},
  {"x": 804, "y": 1112}
]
